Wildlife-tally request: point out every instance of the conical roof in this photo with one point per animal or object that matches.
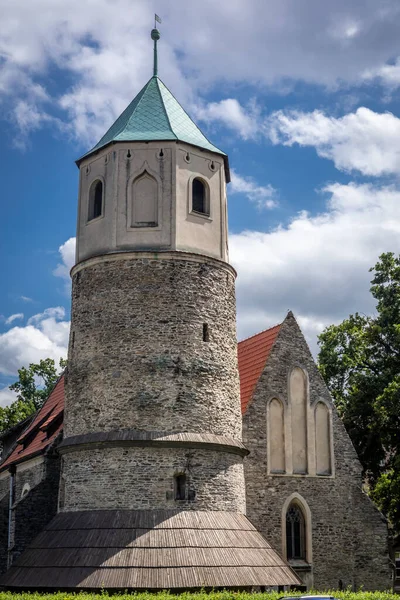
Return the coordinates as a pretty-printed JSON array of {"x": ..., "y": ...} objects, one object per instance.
[{"x": 155, "y": 114}]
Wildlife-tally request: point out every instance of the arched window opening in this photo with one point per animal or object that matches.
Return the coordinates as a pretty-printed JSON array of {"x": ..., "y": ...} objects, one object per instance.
[
  {"x": 180, "y": 486},
  {"x": 298, "y": 399},
  {"x": 95, "y": 200},
  {"x": 276, "y": 437},
  {"x": 323, "y": 440},
  {"x": 199, "y": 197},
  {"x": 295, "y": 534},
  {"x": 25, "y": 490}
]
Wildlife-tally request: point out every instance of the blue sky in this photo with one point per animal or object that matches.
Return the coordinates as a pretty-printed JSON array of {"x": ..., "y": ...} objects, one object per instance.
[{"x": 303, "y": 96}]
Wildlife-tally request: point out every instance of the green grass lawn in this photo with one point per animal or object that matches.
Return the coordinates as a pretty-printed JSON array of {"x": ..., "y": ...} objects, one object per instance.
[{"x": 346, "y": 595}]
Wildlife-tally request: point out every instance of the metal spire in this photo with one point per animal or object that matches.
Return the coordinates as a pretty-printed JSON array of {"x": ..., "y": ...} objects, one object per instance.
[{"x": 155, "y": 35}]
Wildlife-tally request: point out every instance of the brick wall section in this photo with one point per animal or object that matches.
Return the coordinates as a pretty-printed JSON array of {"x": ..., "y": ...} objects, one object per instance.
[
  {"x": 143, "y": 478},
  {"x": 137, "y": 358},
  {"x": 349, "y": 535}
]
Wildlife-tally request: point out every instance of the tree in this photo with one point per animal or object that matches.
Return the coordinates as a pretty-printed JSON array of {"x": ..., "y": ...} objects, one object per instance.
[
  {"x": 360, "y": 362},
  {"x": 34, "y": 385}
]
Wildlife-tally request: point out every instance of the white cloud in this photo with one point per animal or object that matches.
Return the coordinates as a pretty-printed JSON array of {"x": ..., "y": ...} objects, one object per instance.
[
  {"x": 102, "y": 57},
  {"x": 264, "y": 196},
  {"x": 13, "y": 318},
  {"x": 7, "y": 396},
  {"x": 389, "y": 74},
  {"x": 232, "y": 115},
  {"x": 317, "y": 266},
  {"x": 25, "y": 299},
  {"x": 363, "y": 141},
  {"x": 67, "y": 251},
  {"x": 45, "y": 336}
]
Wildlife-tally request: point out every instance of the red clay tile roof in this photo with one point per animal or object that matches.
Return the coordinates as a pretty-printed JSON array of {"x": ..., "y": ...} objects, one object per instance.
[
  {"x": 252, "y": 356},
  {"x": 34, "y": 440}
]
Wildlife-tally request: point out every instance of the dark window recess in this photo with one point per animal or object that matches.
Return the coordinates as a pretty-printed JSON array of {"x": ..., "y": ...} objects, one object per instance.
[
  {"x": 295, "y": 534},
  {"x": 206, "y": 333},
  {"x": 199, "y": 197},
  {"x": 73, "y": 339},
  {"x": 180, "y": 487},
  {"x": 96, "y": 200}
]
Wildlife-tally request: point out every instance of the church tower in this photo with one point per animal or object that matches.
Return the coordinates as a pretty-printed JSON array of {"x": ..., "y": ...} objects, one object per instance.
[{"x": 152, "y": 491}]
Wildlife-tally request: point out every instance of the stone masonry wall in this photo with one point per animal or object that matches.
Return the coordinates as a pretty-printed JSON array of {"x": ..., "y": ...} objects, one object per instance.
[
  {"x": 4, "y": 503},
  {"x": 349, "y": 535},
  {"x": 137, "y": 358},
  {"x": 32, "y": 512},
  {"x": 143, "y": 478}
]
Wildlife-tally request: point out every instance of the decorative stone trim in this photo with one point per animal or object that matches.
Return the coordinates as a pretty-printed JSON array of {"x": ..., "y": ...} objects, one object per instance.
[
  {"x": 131, "y": 437},
  {"x": 168, "y": 255}
]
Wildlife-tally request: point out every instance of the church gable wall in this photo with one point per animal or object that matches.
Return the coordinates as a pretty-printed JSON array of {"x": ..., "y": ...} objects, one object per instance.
[{"x": 348, "y": 534}]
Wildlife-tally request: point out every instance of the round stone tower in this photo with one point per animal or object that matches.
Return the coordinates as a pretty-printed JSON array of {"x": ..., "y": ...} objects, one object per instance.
[{"x": 152, "y": 491}]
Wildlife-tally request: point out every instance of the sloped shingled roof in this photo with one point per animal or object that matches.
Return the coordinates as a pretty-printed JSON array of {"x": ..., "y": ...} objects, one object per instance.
[
  {"x": 39, "y": 435},
  {"x": 253, "y": 354},
  {"x": 155, "y": 114}
]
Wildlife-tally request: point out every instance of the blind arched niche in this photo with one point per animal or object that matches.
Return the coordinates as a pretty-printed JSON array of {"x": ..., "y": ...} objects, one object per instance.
[
  {"x": 323, "y": 439},
  {"x": 276, "y": 436},
  {"x": 144, "y": 201},
  {"x": 298, "y": 400}
]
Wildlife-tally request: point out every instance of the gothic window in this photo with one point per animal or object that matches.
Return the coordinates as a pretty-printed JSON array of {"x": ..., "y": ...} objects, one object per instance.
[
  {"x": 295, "y": 533},
  {"x": 180, "y": 486},
  {"x": 95, "y": 200},
  {"x": 145, "y": 201},
  {"x": 200, "y": 203},
  {"x": 298, "y": 399},
  {"x": 276, "y": 436},
  {"x": 323, "y": 439}
]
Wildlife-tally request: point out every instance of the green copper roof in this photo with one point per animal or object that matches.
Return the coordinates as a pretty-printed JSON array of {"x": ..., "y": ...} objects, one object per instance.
[{"x": 155, "y": 115}]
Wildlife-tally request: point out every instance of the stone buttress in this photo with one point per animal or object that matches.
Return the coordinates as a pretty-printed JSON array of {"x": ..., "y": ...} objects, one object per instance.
[{"x": 152, "y": 491}]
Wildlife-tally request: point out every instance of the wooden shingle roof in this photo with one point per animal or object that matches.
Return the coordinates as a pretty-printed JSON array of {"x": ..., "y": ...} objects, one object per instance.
[{"x": 160, "y": 549}]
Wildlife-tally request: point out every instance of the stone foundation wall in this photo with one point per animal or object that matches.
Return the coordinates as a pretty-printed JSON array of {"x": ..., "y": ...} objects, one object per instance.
[
  {"x": 143, "y": 478},
  {"x": 138, "y": 356},
  {"x": 349, "y": 535}
]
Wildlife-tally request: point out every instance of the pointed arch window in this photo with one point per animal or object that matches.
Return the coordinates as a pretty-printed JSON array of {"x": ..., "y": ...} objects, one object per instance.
[
  {"x": 200, "y": 200},
  {"x": 295, "y": 533},
  {"x": 298, "y": 398},
  {"x": 96, "y": 194},
  {"x": 323, "y": 440},
  {"x": 276, "y": 436}
]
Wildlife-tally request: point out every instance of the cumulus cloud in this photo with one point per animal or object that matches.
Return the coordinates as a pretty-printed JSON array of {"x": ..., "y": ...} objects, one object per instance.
[
  {"x": 231, "y": 113},
  {"x": 13, "y": 318},
  {"x": 103, "y": 57},
  {"x": 45, "y": 336},
  {"x": 263, "y": 196},
  {"x": 7, "y": 396},
  {"x": 67, "y": 251},
  {"x": 363, "y": 141},
  {"x": 317, "y": 266}
]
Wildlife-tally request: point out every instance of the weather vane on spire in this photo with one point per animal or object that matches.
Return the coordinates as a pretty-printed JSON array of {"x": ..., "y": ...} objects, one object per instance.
[{"x": 155, "y": 35}]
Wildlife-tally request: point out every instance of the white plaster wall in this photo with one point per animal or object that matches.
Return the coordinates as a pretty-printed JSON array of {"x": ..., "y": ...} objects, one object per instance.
[{"x": 118, "y": 166}]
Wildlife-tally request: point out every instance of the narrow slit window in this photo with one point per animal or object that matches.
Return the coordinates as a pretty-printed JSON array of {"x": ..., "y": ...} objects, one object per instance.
[
  {"x": 206, "y": 333},
  {"x": 180, "y": 487},
  {"x": 96, "y": 200},
  {"x": 199, "y": 197}
]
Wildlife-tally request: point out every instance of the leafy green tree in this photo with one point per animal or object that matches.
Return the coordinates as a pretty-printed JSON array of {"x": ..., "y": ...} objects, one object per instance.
[
  {"x": 360, "y": 362},
  {"x": 33, "y": 387}
]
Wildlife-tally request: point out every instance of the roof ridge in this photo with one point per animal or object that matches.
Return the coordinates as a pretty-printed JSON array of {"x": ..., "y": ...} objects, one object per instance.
[
  {"x": 188, "y": 116},
  {"x": 163, "y": 103},
  {"x": 260, "y": 332}
]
